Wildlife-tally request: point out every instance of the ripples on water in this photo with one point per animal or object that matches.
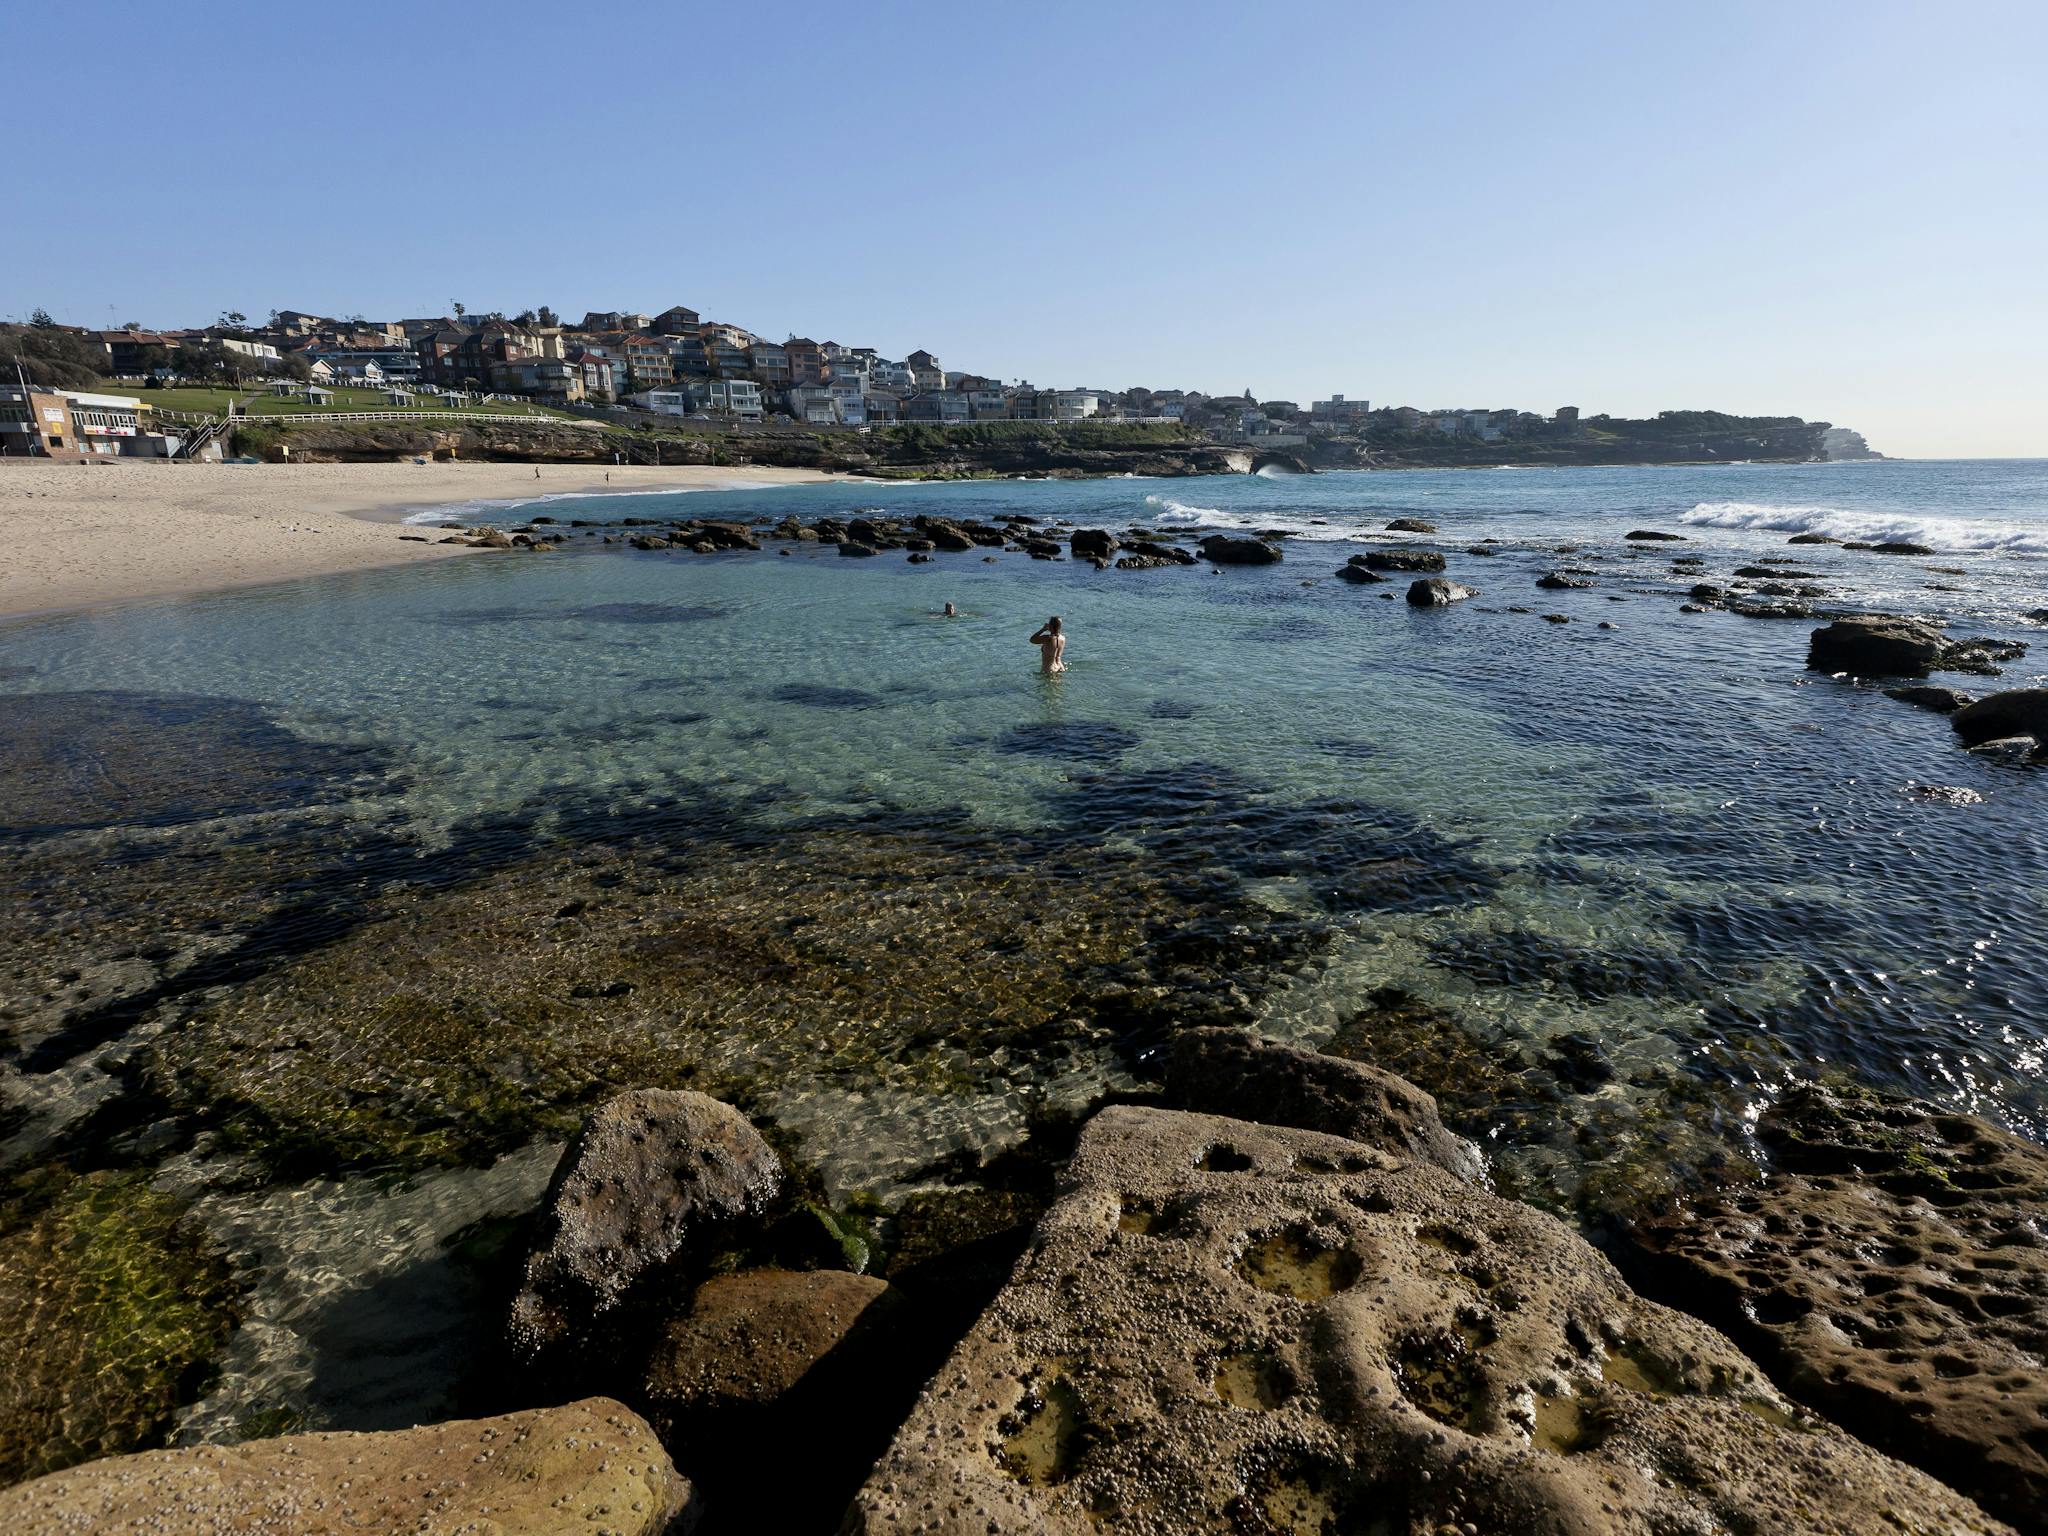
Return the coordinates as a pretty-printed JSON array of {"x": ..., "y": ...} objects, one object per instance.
[{"x": 312, "y": 891}]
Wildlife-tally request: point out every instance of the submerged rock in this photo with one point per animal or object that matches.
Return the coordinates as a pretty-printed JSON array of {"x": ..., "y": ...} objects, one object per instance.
[
  {"x": 1358, "y": 574},
  {"x": 1224, "y": 1326},
  {"x": 1875, "y": 646},
  {"x": 592, "y": 1465},
  {"x": 1224, "y": 549},
  {"x": 650, "y": 1172},
  {"x": 1892, "y": 1275},
  {"x": 1410, "y": 525},
  {"x": 2016, "y": 712},
  {"x": 1652, "y": 536},
  {"x": 1214, "y": 1070},
  {"x": 115, "y": 1307},
  {"x": 1812, "y": 538},
  {"x": 1558, "y": 581},
  {"x": 1435, "y": 592}
]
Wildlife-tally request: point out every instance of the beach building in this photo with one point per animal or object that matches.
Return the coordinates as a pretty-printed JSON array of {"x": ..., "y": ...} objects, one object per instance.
[{"x": 65, "y": 423}]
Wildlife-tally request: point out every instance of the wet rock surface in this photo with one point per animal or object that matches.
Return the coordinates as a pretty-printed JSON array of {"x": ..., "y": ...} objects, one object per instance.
[
  {"x": 1227, "y": 549},
  {"x": 589, "y": 1466},
  {"x": 1892, "y": 1274},
  {"x": 650, "y": 1173},
  {"x": 2016, "y": 712},
  {"x": 1875, "y": 647},
  {"x": 1223, "y": 1326},
  {"x": 1435, "y": 592}
]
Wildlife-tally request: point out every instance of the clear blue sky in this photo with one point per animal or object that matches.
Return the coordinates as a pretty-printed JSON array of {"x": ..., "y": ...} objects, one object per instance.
[{"x": 1829, "y": 209}]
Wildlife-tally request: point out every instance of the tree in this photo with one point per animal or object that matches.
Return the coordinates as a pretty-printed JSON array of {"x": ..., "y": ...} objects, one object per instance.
[
  {"x": 52, "y": 358},
  {"x": 547, "y": 316},
  {"x": 295, "y": 365},
  {"x": 460, "y": 311},
  {"x": 525, "y": 317},
  {"x": 41, "y": 320},
  {"x": 232, "y": 320}
]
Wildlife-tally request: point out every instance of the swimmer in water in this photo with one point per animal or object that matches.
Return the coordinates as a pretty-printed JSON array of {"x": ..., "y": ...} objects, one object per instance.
[
  {"x": 949, "y": 612},
  {"x": 1052, "y": 647}
]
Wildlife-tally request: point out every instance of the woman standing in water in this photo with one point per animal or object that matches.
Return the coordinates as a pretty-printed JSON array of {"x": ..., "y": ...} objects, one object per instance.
[{"x": 1052, "y": 646}]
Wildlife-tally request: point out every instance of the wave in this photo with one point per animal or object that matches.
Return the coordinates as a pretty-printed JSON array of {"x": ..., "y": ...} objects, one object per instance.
[
  {"x": 1179, "y": 514},
  {"x": 1945, "y": 533}
]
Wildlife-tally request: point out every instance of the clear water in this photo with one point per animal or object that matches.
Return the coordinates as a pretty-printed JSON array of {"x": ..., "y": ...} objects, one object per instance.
[{"x": 1663, "y": 847}]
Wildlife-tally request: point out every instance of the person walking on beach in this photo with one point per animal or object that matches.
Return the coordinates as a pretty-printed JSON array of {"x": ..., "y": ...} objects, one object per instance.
[{"x": 1052, "y": 647}]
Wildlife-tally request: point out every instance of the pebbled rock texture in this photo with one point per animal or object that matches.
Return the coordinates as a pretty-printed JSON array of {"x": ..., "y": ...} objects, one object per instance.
[
  {"x": 588, "y": 1467},
  {"x": 1892, "y": 1274},
  {"x": 650, "y": 1171},
  {"x": 1228, "y": 1072},
  {"x": 1238, "y": 1328}
]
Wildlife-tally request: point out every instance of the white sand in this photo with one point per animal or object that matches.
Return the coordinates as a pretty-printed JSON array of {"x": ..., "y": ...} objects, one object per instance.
[{"x": 78, "y": 534}]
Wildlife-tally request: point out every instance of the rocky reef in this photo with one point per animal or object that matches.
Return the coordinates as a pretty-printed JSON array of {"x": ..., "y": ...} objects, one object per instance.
[{"x": 1892, "y": 1273}]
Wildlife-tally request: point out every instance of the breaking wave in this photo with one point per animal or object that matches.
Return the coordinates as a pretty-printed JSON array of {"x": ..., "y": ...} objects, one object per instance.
[
  {"x": 1942, "y": 533},
  {"x": 1179, "y": 514}
]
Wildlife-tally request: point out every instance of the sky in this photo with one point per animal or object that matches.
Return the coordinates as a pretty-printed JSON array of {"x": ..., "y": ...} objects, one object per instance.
[{"x": 1830, "y": 210}]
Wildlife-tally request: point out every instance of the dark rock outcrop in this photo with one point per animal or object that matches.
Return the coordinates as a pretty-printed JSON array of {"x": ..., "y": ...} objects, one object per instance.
[
  {"x": 1652, "y": 536},
  {"x": 588, "y": 1466},
  {"x": 2016, "y": 712},
  {"x": 1901, "y": 547},
  {"x": 1812, "y": 538},
  {"x": 1226, "y": 1071},
  {"x": 1435, "y": 592},
  {"x": 1875, "y": 646},
  {"x": 649, "y": 1172},
  {"x": 1944, "y": 701},
  {"x": 1223, "y": 1326},
  {"x": 1558, "y": 581},
  {"x": 1421, "y": 561},
  {"x": 1228, "y": 549},
  {"x": 1092, "y": 543},
  {"x": 1891, "y": 1274},
  {"x": 1410, "y": 525}
]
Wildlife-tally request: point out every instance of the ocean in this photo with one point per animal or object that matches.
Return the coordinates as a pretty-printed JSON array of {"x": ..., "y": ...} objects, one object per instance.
[{"x": 330, "y": 906}]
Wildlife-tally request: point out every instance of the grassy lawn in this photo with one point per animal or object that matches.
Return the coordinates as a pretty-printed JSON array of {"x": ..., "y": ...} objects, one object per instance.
[{"x": 215, "y": 402}]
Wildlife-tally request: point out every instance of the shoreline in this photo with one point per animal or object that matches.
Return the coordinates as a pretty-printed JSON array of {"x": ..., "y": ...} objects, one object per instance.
[{"x": 88, "y": 535}]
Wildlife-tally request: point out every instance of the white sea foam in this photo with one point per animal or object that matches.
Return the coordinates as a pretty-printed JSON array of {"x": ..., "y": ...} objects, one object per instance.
[
  {"x": 1942, "y": 533},
  {"x": 1179, "y": 514}
]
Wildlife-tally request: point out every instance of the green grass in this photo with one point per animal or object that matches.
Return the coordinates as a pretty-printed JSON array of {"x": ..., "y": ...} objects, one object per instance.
[{"x": 215, "y": 402}]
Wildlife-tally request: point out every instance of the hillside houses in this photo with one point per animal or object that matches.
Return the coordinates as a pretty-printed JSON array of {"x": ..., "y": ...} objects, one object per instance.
[{"x": 679, "y": 362}]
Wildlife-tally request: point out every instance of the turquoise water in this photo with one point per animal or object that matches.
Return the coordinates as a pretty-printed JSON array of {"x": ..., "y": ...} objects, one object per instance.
[{"x": 1657, "y": 869}]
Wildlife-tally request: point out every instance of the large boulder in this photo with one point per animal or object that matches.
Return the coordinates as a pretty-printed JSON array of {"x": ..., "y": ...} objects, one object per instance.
[
  {"x": 1876, "y": 645},
  {"x": 1422, "y": 561},
  {"x": 1092, "y": 543},
  {"x": 1226, "y": 1071},
  {"x": 1435, "y": 592},
  {"x": 1891, "y": 1274},
  {"x": 649, "y": 1173},
  {"x": 1223, "y": 1326},
  {"x": 1230, "y": 549},
  {"x": 2016, "y": 712},
  {"x": 1358, "y": 573},
  {"x": 590, "y": 1466}
]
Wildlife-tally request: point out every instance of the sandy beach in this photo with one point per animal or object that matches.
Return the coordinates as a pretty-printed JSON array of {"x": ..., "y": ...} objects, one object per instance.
[{"x": 80, "y": 534}]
